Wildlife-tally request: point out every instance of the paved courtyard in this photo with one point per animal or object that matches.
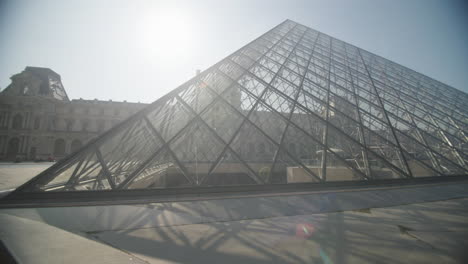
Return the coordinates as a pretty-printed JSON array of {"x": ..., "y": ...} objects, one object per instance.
[
  {"x": 402, "y": 225},
  {"x": 13, "y": 175}
]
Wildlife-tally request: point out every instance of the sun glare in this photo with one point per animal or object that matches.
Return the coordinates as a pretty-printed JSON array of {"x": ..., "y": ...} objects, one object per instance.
[{"x": 165, "y": 34}]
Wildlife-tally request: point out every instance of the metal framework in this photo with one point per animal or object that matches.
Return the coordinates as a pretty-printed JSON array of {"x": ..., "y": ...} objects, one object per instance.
[{"x": 294, "y": 105}]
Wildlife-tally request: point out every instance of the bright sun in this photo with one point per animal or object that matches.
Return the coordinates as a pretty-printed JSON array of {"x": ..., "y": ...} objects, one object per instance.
[{"x": 166, "y": 34}]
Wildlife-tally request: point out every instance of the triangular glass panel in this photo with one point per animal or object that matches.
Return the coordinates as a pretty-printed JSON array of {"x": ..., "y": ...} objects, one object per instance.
[
  {"x": 449, "y": 166},
  {"x": 197, "y": 148},
  {"x": 278, "y": 102},
  {"x": 261, "y": 45},
  {"x": 381, "y": 168},
  {"x": 458, "y": 144},
  {"x": 428, "y": 143},
  {"x": 315, "y": 90},
  {"x": 92, "y": 177},
  {"x": 269, "y": 64},
  {"x": 381, "y": 144},
  {"x": 291, "y": 76},
  {"x": 342, "y": 96},
  {"x": 302, "y": 163},
  {"x": 162, "y": 171},
  {"x": 297, "y": 62},
  {"x": 238, "y": 98},
  {"x": 231, "y": 69},
  {"x": 345, "y": 158},
  {"x": 285, "y": 87},
  {"x": 420, "y": 160},
  {"x": 316, "y": 106},
  {"x": 287, "y": 170},
  {"x": 84, "y": 173},
  {"x": 242, "y": 60},
  {"x": 232, "y": 171},
  {"x": 262, "y": 73},
  {"x": 197, "y": 96},
  {"x": 218, "y": 81},
  {"x": 309, "y": 121},
  {"x": 255, "y": 148},
  {"x": 441, "y": 144},
  {"x": 124, "y": 152},
  {"x": 222, "y": 119},
  {"x": 276, "y": 57},
  {"x": 262, "y": 116},
  {"x": 251, "y": 53},
  {"x": 252, "y": 84},
  {"x": 317, "y": 74},
  {"x": 170, "y": 118},
  {"x": 69, "y": 173}
]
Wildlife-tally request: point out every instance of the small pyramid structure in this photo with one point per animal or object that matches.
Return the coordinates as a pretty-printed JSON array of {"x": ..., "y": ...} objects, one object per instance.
[{"x": 294, "y": 105}]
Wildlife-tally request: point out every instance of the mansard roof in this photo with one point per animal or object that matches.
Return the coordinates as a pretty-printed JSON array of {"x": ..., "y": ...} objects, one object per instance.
[{"x": 37, "y": 81}]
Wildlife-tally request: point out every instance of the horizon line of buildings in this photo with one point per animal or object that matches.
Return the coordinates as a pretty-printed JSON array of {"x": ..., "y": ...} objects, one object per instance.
[{"x": 39, "y": 122}]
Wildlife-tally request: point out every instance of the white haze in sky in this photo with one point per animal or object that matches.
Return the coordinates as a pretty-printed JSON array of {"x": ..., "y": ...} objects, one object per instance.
[{"x": 140, "y": 50}]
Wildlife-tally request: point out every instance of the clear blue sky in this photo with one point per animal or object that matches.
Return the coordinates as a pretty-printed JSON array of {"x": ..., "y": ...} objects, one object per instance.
[{"x": 140, "y": 50}]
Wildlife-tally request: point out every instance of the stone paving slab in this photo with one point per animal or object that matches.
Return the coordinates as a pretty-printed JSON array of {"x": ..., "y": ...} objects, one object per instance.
[
  {"x": 35, "y": 242},
  {"x": 317, "y": 228},
  {"x": 442, "y": 216},
  {"x": 346, "y": 237},
  {"x": 13, "y": 175}
]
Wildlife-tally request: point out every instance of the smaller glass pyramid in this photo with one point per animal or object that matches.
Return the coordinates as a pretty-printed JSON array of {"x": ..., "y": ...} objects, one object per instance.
[{"x": 294, "y": 105}]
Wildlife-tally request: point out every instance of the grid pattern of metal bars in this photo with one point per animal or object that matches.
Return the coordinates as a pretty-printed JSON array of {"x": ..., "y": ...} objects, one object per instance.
[{"x": 294, "y": 105}]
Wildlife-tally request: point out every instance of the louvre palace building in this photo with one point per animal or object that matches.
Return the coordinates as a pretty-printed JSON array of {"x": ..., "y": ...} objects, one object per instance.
[{"x": 39, "y": 122}]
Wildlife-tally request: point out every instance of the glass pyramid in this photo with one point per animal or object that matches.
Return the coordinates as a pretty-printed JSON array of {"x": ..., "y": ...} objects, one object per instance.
[{"x": 294, "y": 105}]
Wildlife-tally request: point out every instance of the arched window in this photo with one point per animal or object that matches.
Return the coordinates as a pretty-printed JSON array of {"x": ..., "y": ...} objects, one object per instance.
[
  {"x": 75, "y": 145},
  {"x": 37, "y": 123},
  {"x": 59, "y": 147},
  {"x": 18, "y": 121},
  {"x": 25, "y": 90}
]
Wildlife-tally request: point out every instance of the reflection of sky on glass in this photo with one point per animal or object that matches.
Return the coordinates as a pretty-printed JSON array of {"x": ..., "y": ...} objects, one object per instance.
[{"x": 140, "y": 50}]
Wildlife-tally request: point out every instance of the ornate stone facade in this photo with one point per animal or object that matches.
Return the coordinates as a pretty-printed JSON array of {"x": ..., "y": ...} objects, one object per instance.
[{"x": 38, "y": 121}]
